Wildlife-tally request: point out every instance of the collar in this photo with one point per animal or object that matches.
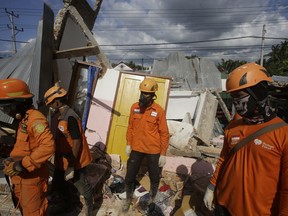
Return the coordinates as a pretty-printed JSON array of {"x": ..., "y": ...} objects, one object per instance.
[
  {"x": 63, "y": 111},
  {"x": 152, "y": 106}
]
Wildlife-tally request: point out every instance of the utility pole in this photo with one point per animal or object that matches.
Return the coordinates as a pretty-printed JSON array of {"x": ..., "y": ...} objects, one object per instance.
[
  {"x": 13, "y": 28},
  {"x": 262, "y": 45}
]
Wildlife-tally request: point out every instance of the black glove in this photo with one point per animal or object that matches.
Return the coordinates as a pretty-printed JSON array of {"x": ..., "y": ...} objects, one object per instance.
[{"x": 18, "y": 167}]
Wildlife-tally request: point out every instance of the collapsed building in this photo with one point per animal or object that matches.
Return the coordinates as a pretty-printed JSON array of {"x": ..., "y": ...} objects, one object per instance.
[{"x": 103, "y": 95}]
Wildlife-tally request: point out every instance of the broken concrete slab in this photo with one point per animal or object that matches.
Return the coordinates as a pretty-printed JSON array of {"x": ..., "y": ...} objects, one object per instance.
[
  {"x": 205, "y": 116},
  {"x": 180, "y": 133}
]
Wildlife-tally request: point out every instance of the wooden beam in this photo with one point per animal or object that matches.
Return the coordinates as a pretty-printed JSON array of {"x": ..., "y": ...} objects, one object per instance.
[{"x": 77, "y": 52}]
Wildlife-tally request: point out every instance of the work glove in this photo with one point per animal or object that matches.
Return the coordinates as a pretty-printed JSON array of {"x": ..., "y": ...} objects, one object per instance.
[
  {"x": 128, "y": 150},
  {"x": 189, "y": 212},
  {"x": 208, "y": 199},
  {"x": 12, "y": 168},
  {"x": 162, "y": 161},
  {"x": 7, "y": 161},
  {"x": 69, "y": 173}
]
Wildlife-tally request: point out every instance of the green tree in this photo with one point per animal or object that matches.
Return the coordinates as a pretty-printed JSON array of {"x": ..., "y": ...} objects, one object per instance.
[
  {"x": 227, "y": 66},
  {"x": 131, "y": 64},
  {"x": 277, "y": 63}
]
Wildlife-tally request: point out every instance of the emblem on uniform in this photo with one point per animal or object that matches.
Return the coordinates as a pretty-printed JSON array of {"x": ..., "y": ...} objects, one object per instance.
[
  {"x": 153, "y": 113},
  {"x": 39, "y": 128},
  {"x": 258, "y": 142},
  {"x": 61, "y": 128},
  {"x": 235, "y": 140}
]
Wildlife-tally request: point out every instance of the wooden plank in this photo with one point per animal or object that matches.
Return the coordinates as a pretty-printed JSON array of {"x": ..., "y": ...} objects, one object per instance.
[{"x": 77, "y": 52}]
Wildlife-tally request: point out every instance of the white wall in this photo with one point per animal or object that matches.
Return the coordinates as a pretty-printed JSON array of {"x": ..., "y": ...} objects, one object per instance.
[
  {"x": 180, "y": 103},
  {"x": 100, "y": 110}
]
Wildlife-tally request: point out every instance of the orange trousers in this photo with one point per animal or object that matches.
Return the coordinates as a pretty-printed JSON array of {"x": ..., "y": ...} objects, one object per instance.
[{"x": 32, "y": 198}]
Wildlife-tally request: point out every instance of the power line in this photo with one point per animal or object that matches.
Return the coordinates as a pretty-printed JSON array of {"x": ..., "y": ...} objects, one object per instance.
[
  {"x": 17, "y": 41},
  {"x": 14, "y": 28},
  {"x": 199, "y": 41},
  {"x": 171, "y": 43},
  {"x": 177, "y": 9}
]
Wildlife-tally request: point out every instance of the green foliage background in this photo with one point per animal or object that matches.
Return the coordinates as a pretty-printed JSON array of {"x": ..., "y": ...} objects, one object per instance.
[{"x": 276, "y": 62}]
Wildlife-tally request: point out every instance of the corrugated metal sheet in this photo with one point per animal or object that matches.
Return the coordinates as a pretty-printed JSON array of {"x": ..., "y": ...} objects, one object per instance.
[
  {"x": 17, "y": 66},
  {"x": 27, "y": 64},
  {"x": 189, "y": 74}
]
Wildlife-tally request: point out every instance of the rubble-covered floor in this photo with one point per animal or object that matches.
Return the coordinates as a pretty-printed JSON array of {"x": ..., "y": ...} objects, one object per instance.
[{"x": 173, "y": 187}]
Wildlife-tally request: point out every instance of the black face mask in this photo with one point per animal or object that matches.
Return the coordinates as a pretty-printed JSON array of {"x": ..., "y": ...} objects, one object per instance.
[
  {"x": 14, "y": 110},
  {"x": 145, "y": 101},
  {"x": 246, "y": 106}
]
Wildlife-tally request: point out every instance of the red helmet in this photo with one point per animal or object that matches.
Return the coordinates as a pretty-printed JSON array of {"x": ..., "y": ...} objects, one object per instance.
[
  {"x": 14, "y": 89},
  {"x": 246, "y": 76}
]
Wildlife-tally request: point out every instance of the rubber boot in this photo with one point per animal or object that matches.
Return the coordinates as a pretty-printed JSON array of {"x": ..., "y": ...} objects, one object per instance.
[
  {"x": 153, "y": 193},
  {"x": 129, "y": 196}
]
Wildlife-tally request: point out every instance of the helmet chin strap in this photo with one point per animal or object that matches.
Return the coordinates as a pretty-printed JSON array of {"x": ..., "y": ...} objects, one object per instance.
[{"x": 253, "y": 95}]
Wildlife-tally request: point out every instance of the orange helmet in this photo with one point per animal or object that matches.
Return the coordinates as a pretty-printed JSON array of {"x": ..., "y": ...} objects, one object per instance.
[
  {"x": 14, "y": 89},
  {"x": 246, "y": 76},
  {"x": 148, "y": 85},
  {"x": 53, "y": 93}
]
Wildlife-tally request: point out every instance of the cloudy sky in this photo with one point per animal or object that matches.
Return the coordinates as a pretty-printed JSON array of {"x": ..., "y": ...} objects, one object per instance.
[{"x": 138, "y": 30}]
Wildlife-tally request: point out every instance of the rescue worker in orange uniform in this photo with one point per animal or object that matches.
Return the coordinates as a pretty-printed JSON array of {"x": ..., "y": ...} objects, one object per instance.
[
  {"x": 72, "y": 152},
  {"x": 147, "y": 136},
  {"x": 254, "y": 180},
  {"x": 27, "y": 165}
]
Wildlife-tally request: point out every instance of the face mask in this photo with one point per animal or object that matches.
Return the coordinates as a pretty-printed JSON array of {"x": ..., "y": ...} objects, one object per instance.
[
  {"x": 53, "y": 110},
  {"x": 9, "y": 109},
  {"x": 54, "y": 107},
  {"x": 6, "y": 109},
  {"x": 145, "y": 101},
  {"x": 245, "y": 106}
]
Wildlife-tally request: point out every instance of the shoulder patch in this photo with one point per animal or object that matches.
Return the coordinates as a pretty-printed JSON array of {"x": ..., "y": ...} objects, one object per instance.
[
  {"x": 61, "y": 128},
  {"x": 235, "y": 140},
  {"x": 39, "y": 128}
]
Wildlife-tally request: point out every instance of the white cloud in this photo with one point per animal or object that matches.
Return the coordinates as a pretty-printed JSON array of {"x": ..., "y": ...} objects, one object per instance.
[{"x": 170, "y": 21}]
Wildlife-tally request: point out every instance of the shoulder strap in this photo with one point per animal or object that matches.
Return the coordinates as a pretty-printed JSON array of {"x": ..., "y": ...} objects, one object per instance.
[{"x": 257, "y": 134}]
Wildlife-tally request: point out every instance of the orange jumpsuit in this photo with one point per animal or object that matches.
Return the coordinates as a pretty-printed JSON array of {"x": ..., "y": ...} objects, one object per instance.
[
  {"x": 64, "y": 144},
  {"x": 255, "y": 181},
  {"x": 148, "y": 132},
  {"x": 34, "y": 145}
]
